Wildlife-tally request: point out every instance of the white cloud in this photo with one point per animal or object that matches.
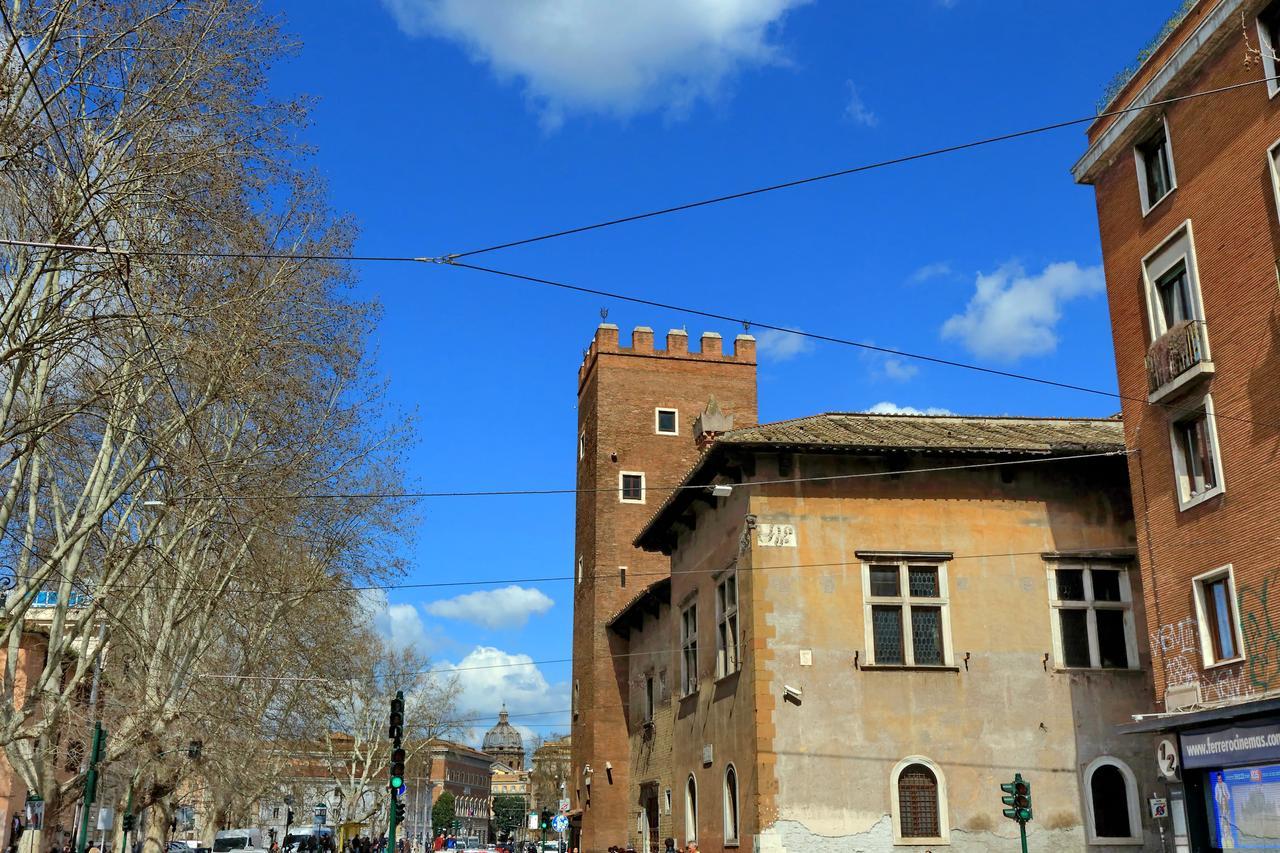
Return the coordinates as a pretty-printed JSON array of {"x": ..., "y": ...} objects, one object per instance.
[
  {"x": 782, "y": 346},
  {"x": 939, "y": 269},
  {"x": 508, "y": 607},
  {"x": 400, "y": 624},
  {"x": 896, "y": 368},
  {"x": 855, "y": 109},
  {"x": 489, "y": 678},
  {"x": 617, "y": 58},
  {"x": 1012, "y": 314},
  {"x": 887, "y": 408}
]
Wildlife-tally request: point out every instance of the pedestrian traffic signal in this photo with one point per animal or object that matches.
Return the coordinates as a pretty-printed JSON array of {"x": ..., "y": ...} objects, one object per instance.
[
  {"x": 397, "y": 768},
  {"x": 397, "y": 810},
  {"x": 128, "y": 822},
  {"x": 1018, "y": 798},
  {"x": 395, "y": 723},
  {"x": 288, "y": 817}
]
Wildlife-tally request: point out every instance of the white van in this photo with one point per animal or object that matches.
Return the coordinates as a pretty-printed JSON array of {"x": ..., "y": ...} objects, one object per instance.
[{"x": 249, "y": 840}]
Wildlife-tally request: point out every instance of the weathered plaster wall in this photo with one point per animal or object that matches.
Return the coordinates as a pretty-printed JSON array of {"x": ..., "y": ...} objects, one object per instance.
[
  {"x": 649, "y": 655},
  {"x": 1006, "y": 711}
]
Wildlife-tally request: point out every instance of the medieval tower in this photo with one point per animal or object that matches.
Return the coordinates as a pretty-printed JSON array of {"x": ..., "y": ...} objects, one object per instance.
[{"x": 636, "y": 412}]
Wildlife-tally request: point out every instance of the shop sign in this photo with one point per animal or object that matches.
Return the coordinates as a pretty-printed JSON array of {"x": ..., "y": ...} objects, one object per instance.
[{"x": 1227, "y": 747}]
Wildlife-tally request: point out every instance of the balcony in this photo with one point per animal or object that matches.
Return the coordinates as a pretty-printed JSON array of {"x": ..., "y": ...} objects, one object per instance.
[{"x": 1177, "y": 359}]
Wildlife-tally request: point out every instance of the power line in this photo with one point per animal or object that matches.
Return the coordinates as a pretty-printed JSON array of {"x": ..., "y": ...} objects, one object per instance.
[
  {"x": 452, "y": 257},
  {"x": 931, "y": 359},
  {"x": 672, "y": 488},
  {"x": 895, "y": 161}
]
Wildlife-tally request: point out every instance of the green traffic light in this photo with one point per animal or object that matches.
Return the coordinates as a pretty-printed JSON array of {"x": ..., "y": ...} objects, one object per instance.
[{"x": 396, "y": 782}]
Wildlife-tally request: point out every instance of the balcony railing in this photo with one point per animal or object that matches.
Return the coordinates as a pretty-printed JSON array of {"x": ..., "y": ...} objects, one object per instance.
[{"x": 1177, "y": 351}]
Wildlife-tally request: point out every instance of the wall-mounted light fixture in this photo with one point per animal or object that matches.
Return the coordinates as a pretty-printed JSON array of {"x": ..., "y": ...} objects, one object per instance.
[{"x": 721, "y": 490}]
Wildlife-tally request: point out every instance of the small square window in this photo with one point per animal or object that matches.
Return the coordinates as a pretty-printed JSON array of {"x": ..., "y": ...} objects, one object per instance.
[
  {"x": 667, "y": 421},
  {"x": 631, "y": 487},
  {"x": 1154, "y": 156}
]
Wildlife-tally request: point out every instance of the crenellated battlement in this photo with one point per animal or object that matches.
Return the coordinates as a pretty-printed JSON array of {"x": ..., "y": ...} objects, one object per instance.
[{"x": 711, "y": 347}]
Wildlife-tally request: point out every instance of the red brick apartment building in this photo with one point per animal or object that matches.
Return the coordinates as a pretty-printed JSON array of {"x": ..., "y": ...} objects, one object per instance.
[
  {"x": 636, "y": 408},
  {"x": 1187, "y": 198}
]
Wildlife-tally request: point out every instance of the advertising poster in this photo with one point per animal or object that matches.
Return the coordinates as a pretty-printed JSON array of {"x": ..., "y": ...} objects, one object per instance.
[{"x": 1245, "y": 804}]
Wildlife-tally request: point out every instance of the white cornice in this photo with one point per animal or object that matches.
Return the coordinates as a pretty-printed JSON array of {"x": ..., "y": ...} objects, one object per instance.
[{"x": 1194, "y": 48}]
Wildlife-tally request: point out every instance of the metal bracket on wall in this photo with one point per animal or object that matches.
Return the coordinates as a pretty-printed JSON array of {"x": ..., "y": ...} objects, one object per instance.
[
  {"x": 966, "y": 661},
  {"x": 1046, "y": 661},
  {"x": 856, "y": 664}
]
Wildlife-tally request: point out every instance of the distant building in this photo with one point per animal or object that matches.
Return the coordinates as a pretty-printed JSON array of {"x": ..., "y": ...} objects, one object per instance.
[
  {"x": 551, "y": 762},
  {"x": 504, "y": 742},
  {"x": 467, "y": 774},
  {"x": 870, "y": 624},
  {"x": 1188, "y": 195}
]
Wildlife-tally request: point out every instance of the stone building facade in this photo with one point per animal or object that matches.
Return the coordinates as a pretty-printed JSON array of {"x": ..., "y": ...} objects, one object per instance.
[
  {"x": 550, "y": 766},
  {"x": 645, "y": 627},
  {"x": 636, "y": 407},
  {"x": 1188, "y": 195},
  {"x": 862, "y": 647}
]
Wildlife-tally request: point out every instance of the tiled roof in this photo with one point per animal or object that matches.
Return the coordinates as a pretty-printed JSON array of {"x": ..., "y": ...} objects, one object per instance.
[
  {"x": 936, "y": 432},
  {"x": 855, "y": 432}
]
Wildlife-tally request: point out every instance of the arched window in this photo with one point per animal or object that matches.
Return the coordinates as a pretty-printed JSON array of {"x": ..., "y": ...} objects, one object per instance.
[
  {"x": 730, "y": 805},
  {"x": 690, "y": 810},
  {"x": 919, "y": 793},
  {"x": 1111, "y": 794}
]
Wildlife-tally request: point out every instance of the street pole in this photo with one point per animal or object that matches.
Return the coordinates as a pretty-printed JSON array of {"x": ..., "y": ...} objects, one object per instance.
[
  {"x": 124, "y": 833},
  {"x": 1022, "y": 828},
  {"x": 90, "y": 786}
]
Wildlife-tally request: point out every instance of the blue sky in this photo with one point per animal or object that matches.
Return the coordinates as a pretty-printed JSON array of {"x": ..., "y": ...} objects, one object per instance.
[{"x": 447, "y": 125}]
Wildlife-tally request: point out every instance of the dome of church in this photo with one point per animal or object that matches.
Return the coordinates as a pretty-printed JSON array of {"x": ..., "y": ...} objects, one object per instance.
[{"x": 503, "y": 742}]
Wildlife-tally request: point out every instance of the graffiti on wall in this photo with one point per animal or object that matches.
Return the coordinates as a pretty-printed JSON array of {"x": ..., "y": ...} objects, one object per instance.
[
  {"x": 1261, "y": 639},
  {"x": 1176, "y": 645}
]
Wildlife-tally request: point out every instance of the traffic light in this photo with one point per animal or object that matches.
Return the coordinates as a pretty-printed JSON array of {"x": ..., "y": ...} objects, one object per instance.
[
  {"x": 288, "y": 817},
  {"x": 1017, "y": 798},
  {"x": 546, "y": 818},
  {"x": 397, "y": 810},
  {"x": 397, "y": 768},
  {"x": 395, "y": 723},
  {"x": 193, "y": 749},
  {"x": 128, "y": 822}
]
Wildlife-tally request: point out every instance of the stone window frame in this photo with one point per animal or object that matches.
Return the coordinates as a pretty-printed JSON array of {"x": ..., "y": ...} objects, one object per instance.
[
  {"x": 727, "y": 617},
  {"x": 1208, "y": 654},
  {"x": 732, "y": 811},
  {"x": 1178, "y": 246},
  {"x": 943, "y": 602},
  {"x": 1269, "y": 49},
  {"x": 1140, "y": 160},
  {"x": 582, "y": 444},
  {"x": 657, "y": 420},
  {"x": 1131, "y": 797},
  {"x": 1182, "y": 477},
  {"x": 621, "y": 494},
  {"x": 1091, "y": 605},
  {"x": 689, "y": 648},
  {"x": 895, "y": 807},
  {"x": 691, "y": 809}
]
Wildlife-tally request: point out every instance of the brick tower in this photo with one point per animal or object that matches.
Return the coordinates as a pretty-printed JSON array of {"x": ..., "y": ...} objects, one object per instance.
[{"x": 636, "y": 412}]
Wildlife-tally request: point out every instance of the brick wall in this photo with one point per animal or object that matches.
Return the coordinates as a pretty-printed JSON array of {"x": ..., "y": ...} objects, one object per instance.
[
  {"x": 1225, "y": 189},
  {"x": 619, "y": 389}
]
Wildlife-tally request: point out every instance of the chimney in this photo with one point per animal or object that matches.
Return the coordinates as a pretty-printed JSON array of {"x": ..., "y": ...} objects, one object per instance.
[
  {"x": 711, "y": 424},
  {"x": 677, "y": 342},
  {"x": 711, "y": 343}
]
